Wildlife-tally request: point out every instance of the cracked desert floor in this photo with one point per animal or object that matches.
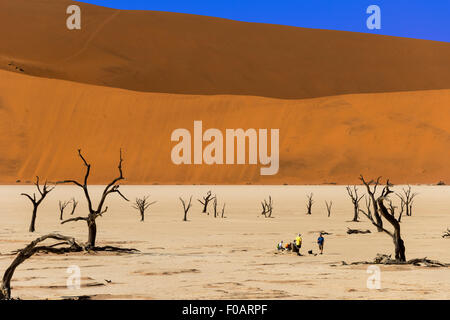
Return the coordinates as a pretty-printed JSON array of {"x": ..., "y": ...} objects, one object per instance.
[{"x": 231, "y": 258}]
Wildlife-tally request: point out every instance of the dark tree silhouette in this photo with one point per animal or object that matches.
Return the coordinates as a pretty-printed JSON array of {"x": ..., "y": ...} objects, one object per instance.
[
  {"x": 223, "y": 211},
  {"x": 142, "y": 204},
  {"x": 215, "y": 207},
  {"x": 94, "y": 213},
  {"x": 186, "y": 207},
  {"x": 399, "y": 244},
  {"x": 63, "y": 245},
  {"x": 62, "y": 207},
  {"x": 372, "y": 193},
  {"x": 44, "y": 191},
  {"x": 402, "y": 209},
  {"x": 31, "y": 249},
  {"x": 74, "y": 206},
  {"x": 309, "y": 203},
  {"x": 353, "y": 194},
  {"x": 446, "y": 233},
  {"x": 206, "y": 200},
  {"x": 352, "y": 231},
  {"x": 267, "y": 208},
  {"x": 407, "y": 199},
  {"x": 216, "y": 211},
  {"x": 329, "y": 205}
]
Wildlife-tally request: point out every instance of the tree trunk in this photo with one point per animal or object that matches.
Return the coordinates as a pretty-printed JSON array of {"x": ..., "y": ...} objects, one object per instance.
[
  {"x": 33, "y": 219},
  {"x": 92, "y": 232},
  {"x": 377, "y": 215},
  {"x": 142, "y": 215},
  {"x": 399, "y": 247},
  {"x": 355, "y": 216},
  {"x": 379, "y": 222},
  {"x": 27, "y": 252},
  {"x": 398, "y": 241}
]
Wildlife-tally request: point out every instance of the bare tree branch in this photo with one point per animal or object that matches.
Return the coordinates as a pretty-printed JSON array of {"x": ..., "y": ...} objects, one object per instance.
[
  {"x": 93, "y": 214},
  {"x": 36, "y": 202},
  {"x": 186, "y": 207}
]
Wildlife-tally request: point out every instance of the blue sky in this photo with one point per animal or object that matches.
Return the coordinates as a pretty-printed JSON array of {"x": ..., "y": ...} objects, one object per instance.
[{"x": 423, "y": 19}]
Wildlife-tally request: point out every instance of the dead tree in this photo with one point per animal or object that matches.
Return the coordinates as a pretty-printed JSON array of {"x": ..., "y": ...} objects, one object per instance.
[
  {"x": 353, "y": 194},
  {"x": 396, "y": 236},
  {"x": 267, "y": 208},
  {"x": 186, "y": 208},
  {"x": 357, "y": 231},
  {"x": 74, "y": 206},
  {"x": 44, "y": 191},
  {"x": 62, "y": 246},
  {"x": 309, "y": 203},
  {"x": 62, "y": 207},
  {"x": 407, "y": 198},
  {"x": 142, "y": 204},
  {"x": 94, "y": 213},
  {"x": 206, "y": 200},
  {"x": 446, "y": 234},
  {"x": 372, "y": 193},
  {"x": 215, "y": 207},
  {"x": 402, "y": 209},
  {"x": 69, "y": 245},
  {"x": 329, "y": 205},
  {"x": 216, "y": 211}
]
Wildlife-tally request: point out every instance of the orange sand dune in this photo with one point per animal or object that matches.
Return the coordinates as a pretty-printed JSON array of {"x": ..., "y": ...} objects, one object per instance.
[
  {"x": 404, "y": 136},
  {"x": 189, "y": 54}
]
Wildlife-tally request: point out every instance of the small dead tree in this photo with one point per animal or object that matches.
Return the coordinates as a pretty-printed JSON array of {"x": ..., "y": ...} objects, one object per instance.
[
  {"x": 74, "y": 206},
  {"x": 329, "y": 205},
  {"x": 309, "y": 203},
  {"x": 62, "y": 207},
  {"x": 142, "y": 205},
  {"x": 267, "y": 208},
  {"x": 186, "y": 207},
  {"x": 216, "y": 211},
  {"x": 446, "y": 233},
  {"x": 94, "y": 213},
  {"x": 407, "y": 199},
  {"x": 70, "y": 245},
  {"x": 402, "y": 209},
  {"x": 44, "y": 191},
  {"x": 372, "y": 193},
  {"x": 353, "y": 194},
  {"x": 396, "y": 235},
  {"x": 215, "y": 207},
  {"x": 209, "y": 197}
]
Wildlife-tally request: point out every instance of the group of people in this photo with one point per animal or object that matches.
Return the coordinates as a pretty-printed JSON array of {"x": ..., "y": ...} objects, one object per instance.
[{"x": 295, "y": 245}]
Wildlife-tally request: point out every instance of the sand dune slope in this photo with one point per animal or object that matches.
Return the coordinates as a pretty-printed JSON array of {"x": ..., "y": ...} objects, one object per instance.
[
  {"x": 189, "y": 54},
  {"x": 404, "y": 136}
]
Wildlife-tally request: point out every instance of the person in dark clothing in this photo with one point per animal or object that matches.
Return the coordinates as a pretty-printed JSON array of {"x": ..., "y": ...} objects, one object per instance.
[{"x": 320, "y": 242}]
